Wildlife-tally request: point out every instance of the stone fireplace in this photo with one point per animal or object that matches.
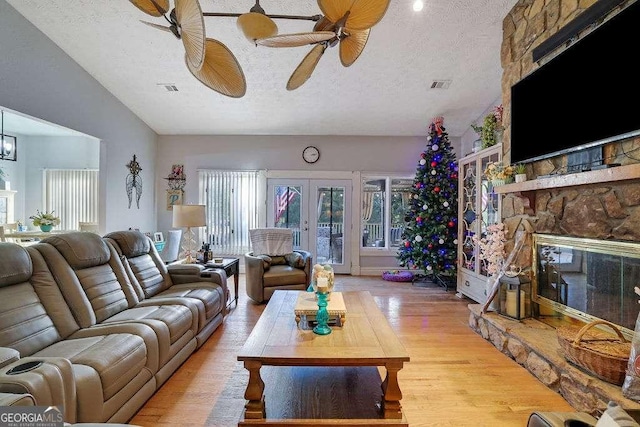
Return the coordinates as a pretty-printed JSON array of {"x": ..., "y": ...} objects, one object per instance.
[
  {"x": 603, "y": 205},
  {"x": 600, "y": 206}
]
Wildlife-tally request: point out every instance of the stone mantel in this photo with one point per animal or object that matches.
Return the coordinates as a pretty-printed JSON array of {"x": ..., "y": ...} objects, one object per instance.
[{"x": 618, "y": 173}]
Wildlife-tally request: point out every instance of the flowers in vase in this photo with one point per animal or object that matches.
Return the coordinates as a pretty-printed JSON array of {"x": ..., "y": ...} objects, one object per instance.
[
  {"x": 44, "y": 218},
  {"x": 498, "y": 171},
  {"x": 491, "y": 247}
]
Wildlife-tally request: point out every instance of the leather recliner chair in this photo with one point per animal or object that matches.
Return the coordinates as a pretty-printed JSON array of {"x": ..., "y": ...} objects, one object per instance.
[{"x": 265, "y": 274}]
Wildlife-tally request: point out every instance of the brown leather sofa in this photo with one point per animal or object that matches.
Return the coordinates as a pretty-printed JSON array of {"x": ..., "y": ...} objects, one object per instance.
[
  {"x": 77, "y": 325},
  {"x": 265, "y": 274}
]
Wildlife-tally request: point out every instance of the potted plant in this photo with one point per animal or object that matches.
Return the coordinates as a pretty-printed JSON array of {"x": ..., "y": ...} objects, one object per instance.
[
  {"x": 46, "y": 221},
  {"x": 491, "y": 130},
  {"x": 520, "y": 172}
]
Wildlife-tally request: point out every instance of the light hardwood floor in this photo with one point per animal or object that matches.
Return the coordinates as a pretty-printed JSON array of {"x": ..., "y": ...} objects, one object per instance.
[{"x": 455, "y": 377}]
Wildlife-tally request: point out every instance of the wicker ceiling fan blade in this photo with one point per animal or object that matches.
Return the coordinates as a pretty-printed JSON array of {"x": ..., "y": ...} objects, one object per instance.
[
  {"x": 150, "y": 7},
  {"x": 324, "y": 24},
  {"x": 366, "y": 13},
  {"x": 220, "y": 71},
  {"x": 352, "y": 46},
  {"x": 191, "y": 22},
  {"x": 157, "y": 26},
  {"x": 334, "y": 10},
  {"x": 306, "y": 67},
  {"x": 295, "y": 40}
]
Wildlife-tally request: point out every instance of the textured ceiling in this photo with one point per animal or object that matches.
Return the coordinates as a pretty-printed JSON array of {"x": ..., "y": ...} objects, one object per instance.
[{"x": 386, "y": 92}]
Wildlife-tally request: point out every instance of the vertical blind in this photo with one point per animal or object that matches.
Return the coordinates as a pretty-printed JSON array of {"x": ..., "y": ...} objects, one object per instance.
[
  {"x": 72, "y": 194},
  {"x": 231, "y": 198}
]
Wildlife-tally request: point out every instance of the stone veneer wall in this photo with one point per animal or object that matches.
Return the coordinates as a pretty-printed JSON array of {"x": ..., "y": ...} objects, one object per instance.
[{"x": 603, "y": 211}]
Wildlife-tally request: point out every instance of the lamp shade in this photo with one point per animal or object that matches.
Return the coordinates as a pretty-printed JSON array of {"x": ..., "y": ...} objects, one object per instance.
[{"x": 189, "y": 216}]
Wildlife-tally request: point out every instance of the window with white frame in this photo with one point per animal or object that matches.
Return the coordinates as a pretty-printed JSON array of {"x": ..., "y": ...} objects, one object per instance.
[
  {"x": 72, "y": 194},
  {"x": 232, "y": 199},
  {"x": 385, "y": 201}
]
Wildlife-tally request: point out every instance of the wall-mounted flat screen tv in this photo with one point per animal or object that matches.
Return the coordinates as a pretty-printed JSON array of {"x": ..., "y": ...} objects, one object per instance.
[{"x": 586, "y": 96}]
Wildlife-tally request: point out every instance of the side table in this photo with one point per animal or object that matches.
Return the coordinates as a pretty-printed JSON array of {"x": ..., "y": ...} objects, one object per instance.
[{"x": 231, "y": 267}]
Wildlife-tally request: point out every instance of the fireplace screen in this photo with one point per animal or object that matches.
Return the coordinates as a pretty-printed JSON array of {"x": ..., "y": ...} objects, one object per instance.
[{"x": 587, "y": 279}]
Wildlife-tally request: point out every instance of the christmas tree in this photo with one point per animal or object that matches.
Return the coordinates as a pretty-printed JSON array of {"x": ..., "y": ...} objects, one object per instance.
[{"x": 430, "y": 233}]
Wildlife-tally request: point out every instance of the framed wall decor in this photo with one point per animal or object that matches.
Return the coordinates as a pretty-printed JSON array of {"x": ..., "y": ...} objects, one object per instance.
[
  {"x": 174, "y": 197},
  {"x": 158, "y": 237}
]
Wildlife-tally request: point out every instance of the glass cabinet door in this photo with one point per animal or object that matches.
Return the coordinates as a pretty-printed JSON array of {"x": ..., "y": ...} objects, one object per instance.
[
  {"x": 490, "y": 202},
  {"x": 469, "y": 197},
  {"x": 479, "y": 208}
]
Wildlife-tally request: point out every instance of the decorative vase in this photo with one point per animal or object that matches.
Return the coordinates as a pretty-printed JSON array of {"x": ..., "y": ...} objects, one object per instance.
[
  {"x": 322, "y": 316},
  {"x": 498, "y": 182},
  {"x": 46, "y": 228},
  {"x": 521, "y": 177}
]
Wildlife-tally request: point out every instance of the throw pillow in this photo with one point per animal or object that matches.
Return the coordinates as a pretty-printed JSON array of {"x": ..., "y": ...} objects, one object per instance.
[
  {"x": 295, "y": 260},
  {"x": 266, "y": 262},
  {"x": 278, "y": 260},
  {"x": 615, "y": 416}
]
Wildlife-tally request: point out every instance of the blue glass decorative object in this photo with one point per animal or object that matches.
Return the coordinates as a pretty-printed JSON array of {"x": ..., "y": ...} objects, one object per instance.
[{"x": 322, "y": 316}]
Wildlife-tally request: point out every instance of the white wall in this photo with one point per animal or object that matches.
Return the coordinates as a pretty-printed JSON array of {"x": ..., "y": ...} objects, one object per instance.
[
  {"x": 387, "y": 155},
  {"x": 38, "y": 79}
]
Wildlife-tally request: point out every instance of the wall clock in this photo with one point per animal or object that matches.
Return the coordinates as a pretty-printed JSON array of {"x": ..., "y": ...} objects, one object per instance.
[{"x": 311, "y": 154}]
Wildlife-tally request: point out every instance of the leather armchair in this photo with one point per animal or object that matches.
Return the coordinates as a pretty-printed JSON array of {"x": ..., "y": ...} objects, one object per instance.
[{"x": 265, "y": 274}]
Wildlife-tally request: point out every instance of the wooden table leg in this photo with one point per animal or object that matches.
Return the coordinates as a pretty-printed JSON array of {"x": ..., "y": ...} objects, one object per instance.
[
  {"x": 391, "y": 392},
  {"x": 254, "y": 408}
]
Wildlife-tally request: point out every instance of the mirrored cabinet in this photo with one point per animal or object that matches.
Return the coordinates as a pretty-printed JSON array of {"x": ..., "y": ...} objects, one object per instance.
[{"x": 479, "y": 206}]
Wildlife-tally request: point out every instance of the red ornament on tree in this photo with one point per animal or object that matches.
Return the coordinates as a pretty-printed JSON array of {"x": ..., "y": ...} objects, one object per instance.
[
  {"x": 434, "y": 164},
  {"x": 451, "y": 224},
  {"x": 407, "y": 244},
  {"x": 430, "y": 246},
  {"x": 423, "y": 155},
  {"x": 436, "y": 189}
]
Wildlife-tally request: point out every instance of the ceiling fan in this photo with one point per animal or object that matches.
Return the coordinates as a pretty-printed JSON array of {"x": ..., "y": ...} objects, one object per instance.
[
  {"x": 209, "y": 60},
  {"x": 347, "y": 23},
  {"x": 344, "y": 22}
]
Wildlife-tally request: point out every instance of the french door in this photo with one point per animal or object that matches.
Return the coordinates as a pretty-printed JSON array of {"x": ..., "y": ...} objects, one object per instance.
[{"x": 319, "y": 213}]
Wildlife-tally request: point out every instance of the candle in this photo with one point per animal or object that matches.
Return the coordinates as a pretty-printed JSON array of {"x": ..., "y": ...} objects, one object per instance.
[
  {"x": 323, "y": 284},
  {"x": 512, "y": 303}
]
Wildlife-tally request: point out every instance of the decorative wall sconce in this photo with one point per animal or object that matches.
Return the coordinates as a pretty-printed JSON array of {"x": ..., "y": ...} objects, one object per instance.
[{"x": 8, "y": 143}]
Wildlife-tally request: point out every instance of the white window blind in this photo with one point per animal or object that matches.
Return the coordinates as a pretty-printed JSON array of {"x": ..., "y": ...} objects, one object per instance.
[
  {"x": 72, "y": 194},
  {"x": 231, "y": 198}
]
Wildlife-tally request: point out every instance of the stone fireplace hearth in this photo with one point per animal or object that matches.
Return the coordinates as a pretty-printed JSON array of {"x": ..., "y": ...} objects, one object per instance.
[{"x": 534, "y": 345}]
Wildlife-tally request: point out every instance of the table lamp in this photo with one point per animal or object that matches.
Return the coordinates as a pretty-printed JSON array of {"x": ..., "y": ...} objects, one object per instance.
[{"x": 189, "y": 216}]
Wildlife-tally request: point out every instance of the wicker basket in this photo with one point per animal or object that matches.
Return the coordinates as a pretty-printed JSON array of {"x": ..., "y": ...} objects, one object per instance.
[{"x": 603, "y": 354}]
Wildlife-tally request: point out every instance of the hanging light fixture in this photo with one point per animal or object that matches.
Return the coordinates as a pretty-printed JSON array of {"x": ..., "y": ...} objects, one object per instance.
[{"x": 8, "y": 143}]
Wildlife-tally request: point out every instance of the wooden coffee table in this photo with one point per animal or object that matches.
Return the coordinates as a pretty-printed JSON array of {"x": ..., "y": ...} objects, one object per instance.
[{"x": 365, "y": 340}]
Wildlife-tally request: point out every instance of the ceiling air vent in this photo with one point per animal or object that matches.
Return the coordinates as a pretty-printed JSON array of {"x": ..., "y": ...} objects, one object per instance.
[
  {"x": 169, "y": 87},
  {"x": 441, "y": 84}
]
